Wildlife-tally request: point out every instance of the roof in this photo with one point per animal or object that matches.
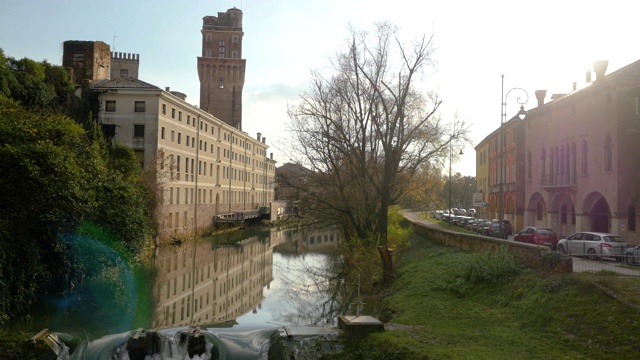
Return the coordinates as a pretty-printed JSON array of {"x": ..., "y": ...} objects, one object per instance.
[{"x": 123, "y": 83}]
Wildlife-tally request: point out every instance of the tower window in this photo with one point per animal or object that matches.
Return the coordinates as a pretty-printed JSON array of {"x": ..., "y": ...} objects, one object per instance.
[
  {"x": 124, "y": 72},
  {"x": 234, "y": 39},
  {"x": 234, "y": 54},
  {"x": 220, "y": 83}
]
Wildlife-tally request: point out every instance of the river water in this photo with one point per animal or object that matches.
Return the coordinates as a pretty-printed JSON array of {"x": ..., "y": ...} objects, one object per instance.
[{"x": 233, "y": 296}]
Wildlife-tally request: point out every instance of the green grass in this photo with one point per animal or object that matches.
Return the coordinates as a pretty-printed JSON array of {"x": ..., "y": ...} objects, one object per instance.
[{"x": 461, "y": 305}]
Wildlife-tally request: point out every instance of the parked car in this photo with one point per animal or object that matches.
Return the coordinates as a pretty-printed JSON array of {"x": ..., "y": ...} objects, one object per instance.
[
  {"x": 632, "y": 255},
  {"x": 594, "y": 245},
  {"x": 471, "y": 212},
  {"x": 498, "y": 230},
  {"x": 537, "y": 236},
  {"x": 483, "y": 227}
]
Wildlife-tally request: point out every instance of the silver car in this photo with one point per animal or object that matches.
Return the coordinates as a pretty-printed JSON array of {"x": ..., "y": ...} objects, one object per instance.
[{"x": 594, "y": 245}]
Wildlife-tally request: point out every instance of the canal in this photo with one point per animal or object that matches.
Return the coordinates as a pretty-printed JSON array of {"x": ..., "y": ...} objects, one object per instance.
[{"x": 234, "y": 296}]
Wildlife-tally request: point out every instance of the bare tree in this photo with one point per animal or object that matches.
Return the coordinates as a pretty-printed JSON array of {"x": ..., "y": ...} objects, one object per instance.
[{"x": 366, "y": 129}]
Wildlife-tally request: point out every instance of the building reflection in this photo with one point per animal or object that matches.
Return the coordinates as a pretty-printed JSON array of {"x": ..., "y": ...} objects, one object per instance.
[{"x": 222, "y": 283}]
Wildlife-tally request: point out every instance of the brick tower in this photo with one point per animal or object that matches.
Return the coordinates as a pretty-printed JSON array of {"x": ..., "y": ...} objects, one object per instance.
[{"x": 221, "y": 67}]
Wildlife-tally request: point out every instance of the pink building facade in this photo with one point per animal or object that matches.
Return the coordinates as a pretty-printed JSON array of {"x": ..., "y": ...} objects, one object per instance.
[{"x": 582, "y": 156}]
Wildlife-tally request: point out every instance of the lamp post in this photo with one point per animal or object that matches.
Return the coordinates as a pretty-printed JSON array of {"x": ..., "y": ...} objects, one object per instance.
[
  {"x": 451, "y": 138},
  {"x": 503, "y": 118}
]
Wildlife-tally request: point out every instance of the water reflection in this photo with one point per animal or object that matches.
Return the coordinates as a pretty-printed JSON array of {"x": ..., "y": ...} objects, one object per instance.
[
  {"x": 236, "y": 294},
  {"x": 203, "y": 283}
]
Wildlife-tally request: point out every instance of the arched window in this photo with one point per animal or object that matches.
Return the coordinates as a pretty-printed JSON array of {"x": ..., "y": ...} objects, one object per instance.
[
  {"x": 539, "y": 211},
  {"x": 572, "y": 164},
  {"x": 584, "y": 155},
  {"x": 543, "y": 164},
  {"x": 608, "y": 154}
]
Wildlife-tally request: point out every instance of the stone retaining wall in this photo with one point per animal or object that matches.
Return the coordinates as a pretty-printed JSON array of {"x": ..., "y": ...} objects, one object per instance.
[{"x": 536, "y": 257}]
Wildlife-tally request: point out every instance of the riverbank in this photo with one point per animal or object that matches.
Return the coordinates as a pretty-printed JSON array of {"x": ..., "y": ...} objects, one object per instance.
[{"x": 447, "y": 303}]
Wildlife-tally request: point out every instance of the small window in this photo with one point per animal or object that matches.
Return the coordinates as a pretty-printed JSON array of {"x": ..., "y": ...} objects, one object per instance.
[
  {"x": 138, "y": 131},
  {"x": 162, "y": 133},
  {"x": 164, "y": 109},
  {"x": 110, "y": 106},
  {"x": 234, "y": 39},
  {"x": 139, "y": 106},
  {"x": 234, "y": 54},
  {"x": 124, "y": 72},
  {"x": 179, "y": 115},
  {"x": 173, "y": 113}
]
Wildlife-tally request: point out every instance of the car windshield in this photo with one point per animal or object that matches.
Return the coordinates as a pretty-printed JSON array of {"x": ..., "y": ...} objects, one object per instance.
[{"x": 617, "y": 239}]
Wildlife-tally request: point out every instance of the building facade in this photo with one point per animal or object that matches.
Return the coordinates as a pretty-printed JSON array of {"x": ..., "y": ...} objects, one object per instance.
[
  {"x": 583, "y": 156},
  {"x": 204, "y": 167},
  {"x": 221, "y": 66},
  {"x": 483, "y": 150},
  {"x": 499, "y": 172}
]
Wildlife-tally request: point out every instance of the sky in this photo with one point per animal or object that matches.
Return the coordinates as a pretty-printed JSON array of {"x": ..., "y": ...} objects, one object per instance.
[{"x": 543, "y": 44}]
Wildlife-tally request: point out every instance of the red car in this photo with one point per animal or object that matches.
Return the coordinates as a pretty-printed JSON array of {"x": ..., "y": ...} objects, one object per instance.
[{"x": 538, "y": 236}]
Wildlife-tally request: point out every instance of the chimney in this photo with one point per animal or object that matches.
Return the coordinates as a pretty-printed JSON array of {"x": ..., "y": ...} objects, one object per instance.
[
  {"x": 271, "y": 156},
  {"x": 167, "y": 89},
  {"x": 588, "y": 76},
  {"x": 264, "y": 138},
  {"x": 600, "y": 67},
  {"x": 540, "y": 94},
  {"x": 575, "y": 86},
  {"x": 259, "y": 135}
]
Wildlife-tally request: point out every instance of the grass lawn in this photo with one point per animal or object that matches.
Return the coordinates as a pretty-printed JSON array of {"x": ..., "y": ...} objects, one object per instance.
[{"x": 460, "y": 305}]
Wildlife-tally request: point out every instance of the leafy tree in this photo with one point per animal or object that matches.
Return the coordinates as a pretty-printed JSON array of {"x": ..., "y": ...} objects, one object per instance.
[{"x": 365, "y": 128}]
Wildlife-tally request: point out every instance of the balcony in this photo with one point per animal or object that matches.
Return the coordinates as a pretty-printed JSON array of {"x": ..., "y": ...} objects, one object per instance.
[
  {"x": 138, "y": 143},
  {"x": 558, "y": 182},
  {"x": 506, "y": 187}
]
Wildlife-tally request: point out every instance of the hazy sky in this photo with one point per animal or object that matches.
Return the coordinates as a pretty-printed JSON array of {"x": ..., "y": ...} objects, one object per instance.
[{"x": 545, "y": 44}]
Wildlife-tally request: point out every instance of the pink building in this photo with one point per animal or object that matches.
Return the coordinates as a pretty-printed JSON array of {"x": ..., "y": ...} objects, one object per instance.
[{"x": 582, "y": 156}]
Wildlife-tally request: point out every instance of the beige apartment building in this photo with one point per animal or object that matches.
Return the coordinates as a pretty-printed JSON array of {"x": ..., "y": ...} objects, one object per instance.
[{"x": 205, "y": 167}]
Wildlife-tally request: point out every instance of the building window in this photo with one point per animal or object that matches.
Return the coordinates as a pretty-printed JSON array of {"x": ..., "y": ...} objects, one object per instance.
[
  {"x": 207, "y": 53},
  {"x": 173, "y": 113},
  {"x": 584, "y": 163},
  {"x": 110, "y": 106},
  {"x": 139, "y": 106},
  {"x": 162, "y": 133},
  {"x": 234, "y": 39},
  {"x": 608, "y": 154},
  {"x": 164, "y": 109},
  {"x": 207, "y": 37},
  {"x": 221, "y": 83},
  {"x": 221, "y": 49},
  {"x": 138, "y": 131},
  {"x": 234, "y": 54},
  {"x": 539, "y": 212},
  {"x": 632, "y": 218},
  {"x": 124, "y": 73},
  {"x": 529, "y": 165},
  {"x": 179, "y": 115},
  {"x": 179, "y": 138}
]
